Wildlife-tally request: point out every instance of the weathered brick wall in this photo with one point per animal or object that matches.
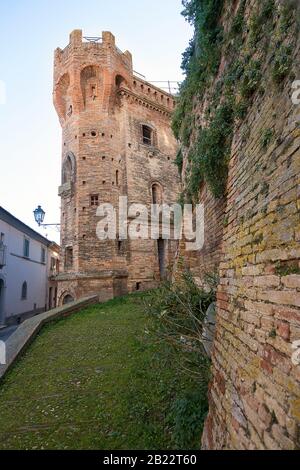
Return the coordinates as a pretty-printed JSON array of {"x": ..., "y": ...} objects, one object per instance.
[
  {"x": 207, "y": 260},
  {"x": 255, "y": 392},
  {"x": 252, "y": 240}
]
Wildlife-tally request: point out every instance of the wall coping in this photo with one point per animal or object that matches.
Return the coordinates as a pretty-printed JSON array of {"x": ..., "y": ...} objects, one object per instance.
[{"x": 28, "y": 330}]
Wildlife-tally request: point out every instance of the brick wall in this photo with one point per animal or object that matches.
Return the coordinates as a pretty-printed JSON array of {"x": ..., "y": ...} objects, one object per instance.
[
  {"x": 252, "y": 239},
  {"x": 255, "y": 393},
  {"x": 102, "y": 106}
]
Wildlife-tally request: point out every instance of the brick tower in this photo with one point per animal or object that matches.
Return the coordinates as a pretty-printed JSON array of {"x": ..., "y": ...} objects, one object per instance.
[{"x": 116, "y": 141}]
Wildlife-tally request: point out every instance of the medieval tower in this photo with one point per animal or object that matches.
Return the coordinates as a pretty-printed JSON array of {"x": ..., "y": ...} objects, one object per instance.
[{"x": 116, "y": 141}]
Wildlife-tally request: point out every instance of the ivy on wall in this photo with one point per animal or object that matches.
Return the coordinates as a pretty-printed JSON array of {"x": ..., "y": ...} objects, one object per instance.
[{"x": 222, "y": 100}]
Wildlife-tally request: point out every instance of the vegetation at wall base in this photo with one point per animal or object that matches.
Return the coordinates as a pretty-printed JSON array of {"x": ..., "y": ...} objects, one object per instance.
[
  {"x": 177, "y": 311},
  {"x": 99, "y": 380}
]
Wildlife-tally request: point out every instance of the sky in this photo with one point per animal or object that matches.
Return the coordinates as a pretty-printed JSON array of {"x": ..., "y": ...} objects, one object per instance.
[{"x": 30, "y": 135}]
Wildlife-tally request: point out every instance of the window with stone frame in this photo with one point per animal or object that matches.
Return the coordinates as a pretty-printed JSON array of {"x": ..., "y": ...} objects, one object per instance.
[
  {"x": 147, "y": 135},
  {"x": 69, "y": 257},
  {"x": 156, "y": 193},
  {"x": 94, "y": 200}
]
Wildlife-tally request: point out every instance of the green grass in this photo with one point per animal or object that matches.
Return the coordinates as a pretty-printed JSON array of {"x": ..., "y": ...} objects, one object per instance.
[{"x": 96, "y": 380}]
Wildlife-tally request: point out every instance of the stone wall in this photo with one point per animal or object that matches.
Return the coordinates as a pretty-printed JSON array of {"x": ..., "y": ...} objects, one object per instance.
[
  {"x": 252, "y": 239},
  {"x": 255, "y": 393}
]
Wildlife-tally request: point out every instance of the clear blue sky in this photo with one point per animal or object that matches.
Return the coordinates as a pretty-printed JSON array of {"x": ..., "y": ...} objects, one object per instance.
[{"x": 30, "y": 30}]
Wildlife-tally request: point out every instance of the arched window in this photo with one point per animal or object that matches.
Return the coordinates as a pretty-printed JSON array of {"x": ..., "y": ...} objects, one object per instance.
[
  {"x": 147, "y": 135},
  {"x": 24, "y": 291},
  {"x": 120, "y": 81},
  {"x": 156, "y": 194},
  {"x": 69, "y": 168},
  {"x": 90, "y": 81},
  {"x": 67, "y": 171}
]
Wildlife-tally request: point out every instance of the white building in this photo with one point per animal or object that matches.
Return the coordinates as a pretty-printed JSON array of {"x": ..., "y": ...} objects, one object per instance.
[{"x": 27, "y": 263}]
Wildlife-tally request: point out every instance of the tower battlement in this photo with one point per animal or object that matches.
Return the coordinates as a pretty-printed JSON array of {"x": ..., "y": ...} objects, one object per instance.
[{"x": 78, "y": 44}]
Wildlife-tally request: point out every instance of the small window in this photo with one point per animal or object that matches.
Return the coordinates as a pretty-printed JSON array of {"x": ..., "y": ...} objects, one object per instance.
[
  {"x": 117, "y": 177},
  {"x": 138, "y": 286},
  {"x": 43, "y": 255},
  {"x": 94, "y": 200},
  {"x": 26, "y": 248},
  {"x": 53, "y": 264},
  {"x": 147, "y": 135},
  {"x": 93, "y": 91},
  {"x": 156, "y": 194},
  {"x": 24, "y": 291},
  {"x": 69, "y": 257}
]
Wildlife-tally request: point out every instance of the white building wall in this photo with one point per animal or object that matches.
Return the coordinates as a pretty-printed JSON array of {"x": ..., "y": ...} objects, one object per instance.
[{"x": 19, "y": 269}]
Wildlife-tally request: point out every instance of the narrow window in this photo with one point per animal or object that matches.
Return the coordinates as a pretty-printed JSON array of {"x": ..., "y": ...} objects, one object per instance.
[
  {"x": 94, "y": 200},
  {"x": 147, "y": 135},
  {"x": 93, "y": 91},
  {"x": 24, "y": 291},
  {"x": 138, "y": 286},
  {"x": 26, "y": 248},
  {"x": 117, "y": 177},
  {"x": 69, "y": 257},
  {"x": 156, "y": 194},
  {"x": 43, "y": 255},
  {"x": 53, "y": 264},
  {"x": 50, "y": 298}
]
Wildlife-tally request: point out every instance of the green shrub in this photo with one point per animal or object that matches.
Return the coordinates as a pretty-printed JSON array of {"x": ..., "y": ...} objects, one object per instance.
[
  {"x": 251, "y": 79},
  {"x": 179, "y": 160},
  {"x": 238, "y": 22},
  {"x": 178, "y": 310},
  {"x": 187, "y": 417},
  {"x": 266, "y": 138},
  {"x": 282, "y": 63}
]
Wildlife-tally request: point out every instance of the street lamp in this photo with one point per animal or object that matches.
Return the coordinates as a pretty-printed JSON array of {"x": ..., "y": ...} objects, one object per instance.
[{"x": 39, "y": 215}]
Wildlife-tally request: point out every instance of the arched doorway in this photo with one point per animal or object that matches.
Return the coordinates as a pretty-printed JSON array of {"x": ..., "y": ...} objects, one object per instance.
[
  {"x": 2, "y": 287},
  {"x": 67, "y": 299}
]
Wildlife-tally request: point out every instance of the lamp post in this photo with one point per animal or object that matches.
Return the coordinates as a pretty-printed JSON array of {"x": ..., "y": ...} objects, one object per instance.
[{"x": 39, "y": 215}]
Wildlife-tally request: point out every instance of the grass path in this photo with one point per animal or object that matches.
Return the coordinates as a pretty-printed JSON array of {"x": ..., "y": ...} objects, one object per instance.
[{"x": 95, "y": 380}]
